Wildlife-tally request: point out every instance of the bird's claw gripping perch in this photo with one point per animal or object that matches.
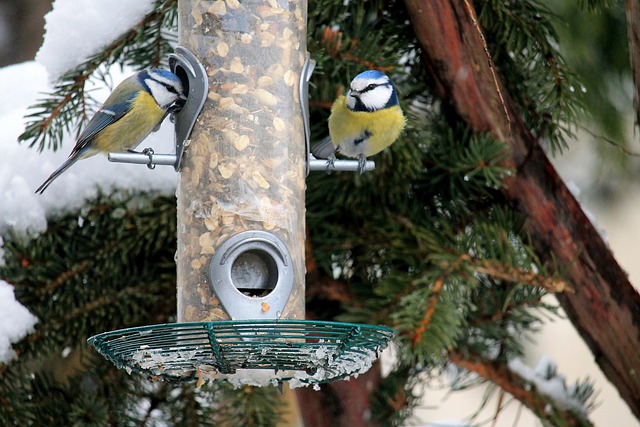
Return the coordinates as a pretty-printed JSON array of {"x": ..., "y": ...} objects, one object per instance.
[
  {"x": 149, "y": 152},
  {"x": 331, "y": 164},
  {"x": 362, "y": 163}
]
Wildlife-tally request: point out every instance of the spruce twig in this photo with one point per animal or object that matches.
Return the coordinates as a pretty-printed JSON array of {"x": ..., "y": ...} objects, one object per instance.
[
  {"x": 510, "y": 382},
  {"x": 67, "y": 105}
]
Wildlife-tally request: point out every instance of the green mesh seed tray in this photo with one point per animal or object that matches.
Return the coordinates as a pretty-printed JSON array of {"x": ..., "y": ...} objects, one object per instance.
[{"x": 254, "y": 352}]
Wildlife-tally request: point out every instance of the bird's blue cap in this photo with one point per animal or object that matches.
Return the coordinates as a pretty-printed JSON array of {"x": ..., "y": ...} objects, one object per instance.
[
  {"x": 370, "y": 74},
  {"x": 159, "y": 72},
  {"x": 166, "y": 73}
]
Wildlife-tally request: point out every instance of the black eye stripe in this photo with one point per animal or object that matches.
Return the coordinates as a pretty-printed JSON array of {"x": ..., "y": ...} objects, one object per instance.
[
  {"x": 169, "y": 87},
  {"x": 372, "y": 86}
]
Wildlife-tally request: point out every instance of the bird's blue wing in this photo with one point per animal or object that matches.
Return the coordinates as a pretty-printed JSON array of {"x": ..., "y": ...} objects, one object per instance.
[{"x": 103, "y": 118}]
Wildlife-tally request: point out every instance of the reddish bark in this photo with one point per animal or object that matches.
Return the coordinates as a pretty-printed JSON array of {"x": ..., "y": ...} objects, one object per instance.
[
  {"x": 340, "y": 403},
  {"x": 605, "y": 308}
]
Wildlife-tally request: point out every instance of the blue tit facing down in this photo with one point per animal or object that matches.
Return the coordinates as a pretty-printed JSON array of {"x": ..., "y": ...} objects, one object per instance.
[
  {"x": 365, "y": 122},
  {"x": 135, "y": 108}
]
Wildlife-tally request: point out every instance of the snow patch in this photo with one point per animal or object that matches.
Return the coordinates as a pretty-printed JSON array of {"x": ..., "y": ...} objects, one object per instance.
[
  {"x": 22, "y": 168},
  {"x": 78, "y": 29},
  {"x": 547, "y": 382},
  {"x": 15, "y": 322}
]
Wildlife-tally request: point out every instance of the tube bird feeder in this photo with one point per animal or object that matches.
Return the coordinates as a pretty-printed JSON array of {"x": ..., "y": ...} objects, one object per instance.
[
  {"x": 242, "y": 183},
  {"x": 241, "y": 211}
]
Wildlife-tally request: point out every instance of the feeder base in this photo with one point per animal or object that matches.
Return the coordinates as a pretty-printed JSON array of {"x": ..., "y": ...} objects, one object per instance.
[{"x": 252, "y": 352}]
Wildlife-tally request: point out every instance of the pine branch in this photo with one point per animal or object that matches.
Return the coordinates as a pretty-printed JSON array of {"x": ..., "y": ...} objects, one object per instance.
[
  {"x": 499, "y": 374},
  {"x": 67, "y": 275},
  {"x": 524, "y": 45},
  {"x": 462, "y": 263},
  {"x": 516, "y": 275},
  {"x": 617, "y": 145},
  {"x": 472, "y": 15},
  {"x": 250, "y": 406},
  {"x": 68, "y": 104},
  {"x": 332, "y": 43},
  {"x": 74, "y": 271},
  {"x": 428, "y": 314},
  {"x": 433, "y": 301},
  {"x": 512, "y": 274},
  {"x": 560, "y": 229},
  {"x": 417, "y": 275}
]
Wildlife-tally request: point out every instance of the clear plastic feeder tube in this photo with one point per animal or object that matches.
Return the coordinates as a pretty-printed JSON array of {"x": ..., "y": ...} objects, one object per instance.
[{"x": 244, "y": 167}]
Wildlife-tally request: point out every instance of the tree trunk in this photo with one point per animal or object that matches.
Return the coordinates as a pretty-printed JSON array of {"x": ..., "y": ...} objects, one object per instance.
[
  {"x": 340, "y": 403},
  {"x": 605, "y": 307}
]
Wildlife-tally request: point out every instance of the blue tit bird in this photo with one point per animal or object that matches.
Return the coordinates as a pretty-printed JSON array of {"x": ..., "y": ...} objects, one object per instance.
[
  {"x": 135, "y": 108},
  {"x": 365, "y": 122}
]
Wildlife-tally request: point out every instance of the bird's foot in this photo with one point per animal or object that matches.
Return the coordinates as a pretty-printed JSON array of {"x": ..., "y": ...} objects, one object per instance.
[
  {"x": 149, "y": 152},
  {"x": 331, "y": 160},
  {"x": 145, "y": 151},
  {"x": 362, "y": 163}
]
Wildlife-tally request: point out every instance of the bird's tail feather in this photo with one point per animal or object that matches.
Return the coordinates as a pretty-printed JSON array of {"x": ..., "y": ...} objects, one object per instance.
[
  {"x": 323, "y": 149},
  {"x": 54, "y": 175}
]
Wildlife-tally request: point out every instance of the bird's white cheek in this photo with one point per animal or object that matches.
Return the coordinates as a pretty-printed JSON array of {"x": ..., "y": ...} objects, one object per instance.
[
  {"x": 377, "y": 98},
  {"x": 163, "y": 97}
]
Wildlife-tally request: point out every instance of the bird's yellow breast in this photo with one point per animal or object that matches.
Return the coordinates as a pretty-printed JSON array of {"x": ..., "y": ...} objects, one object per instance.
[
  {"x": 363, "y": 132},
  {"x": 130, "y": 130}
]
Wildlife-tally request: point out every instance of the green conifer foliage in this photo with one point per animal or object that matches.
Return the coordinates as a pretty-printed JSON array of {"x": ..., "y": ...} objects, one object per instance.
[{"x": 425, "y": 244}]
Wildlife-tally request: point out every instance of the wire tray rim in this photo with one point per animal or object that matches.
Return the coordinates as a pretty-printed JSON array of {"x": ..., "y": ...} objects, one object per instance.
[{"x": 324, "y": 350}]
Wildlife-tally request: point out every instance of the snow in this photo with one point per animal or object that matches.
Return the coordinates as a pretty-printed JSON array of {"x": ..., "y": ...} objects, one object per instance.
[
  {"x": 15, "y": 322},
  {"x": 77, "y": 29},
  {"x": 548, "y": 383},
  {"x": 179, "y": 363},
  {"x": 22, "y": 168}
]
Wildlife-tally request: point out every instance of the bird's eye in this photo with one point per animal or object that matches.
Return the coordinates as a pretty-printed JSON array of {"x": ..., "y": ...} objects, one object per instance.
[{"x": 370, "y": 87}]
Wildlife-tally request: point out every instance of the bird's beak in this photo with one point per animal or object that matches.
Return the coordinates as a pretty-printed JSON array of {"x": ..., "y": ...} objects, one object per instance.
[
  {"x": 354, "y": 94},
  {"x": 179, "y": 104},
  {"x": 182, "y": 99}
]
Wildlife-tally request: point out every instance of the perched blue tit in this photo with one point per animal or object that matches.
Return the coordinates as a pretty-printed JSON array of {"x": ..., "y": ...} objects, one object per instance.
[
  {"x": 135, "y": 108},
  {"x": 365, "y": 122}
]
